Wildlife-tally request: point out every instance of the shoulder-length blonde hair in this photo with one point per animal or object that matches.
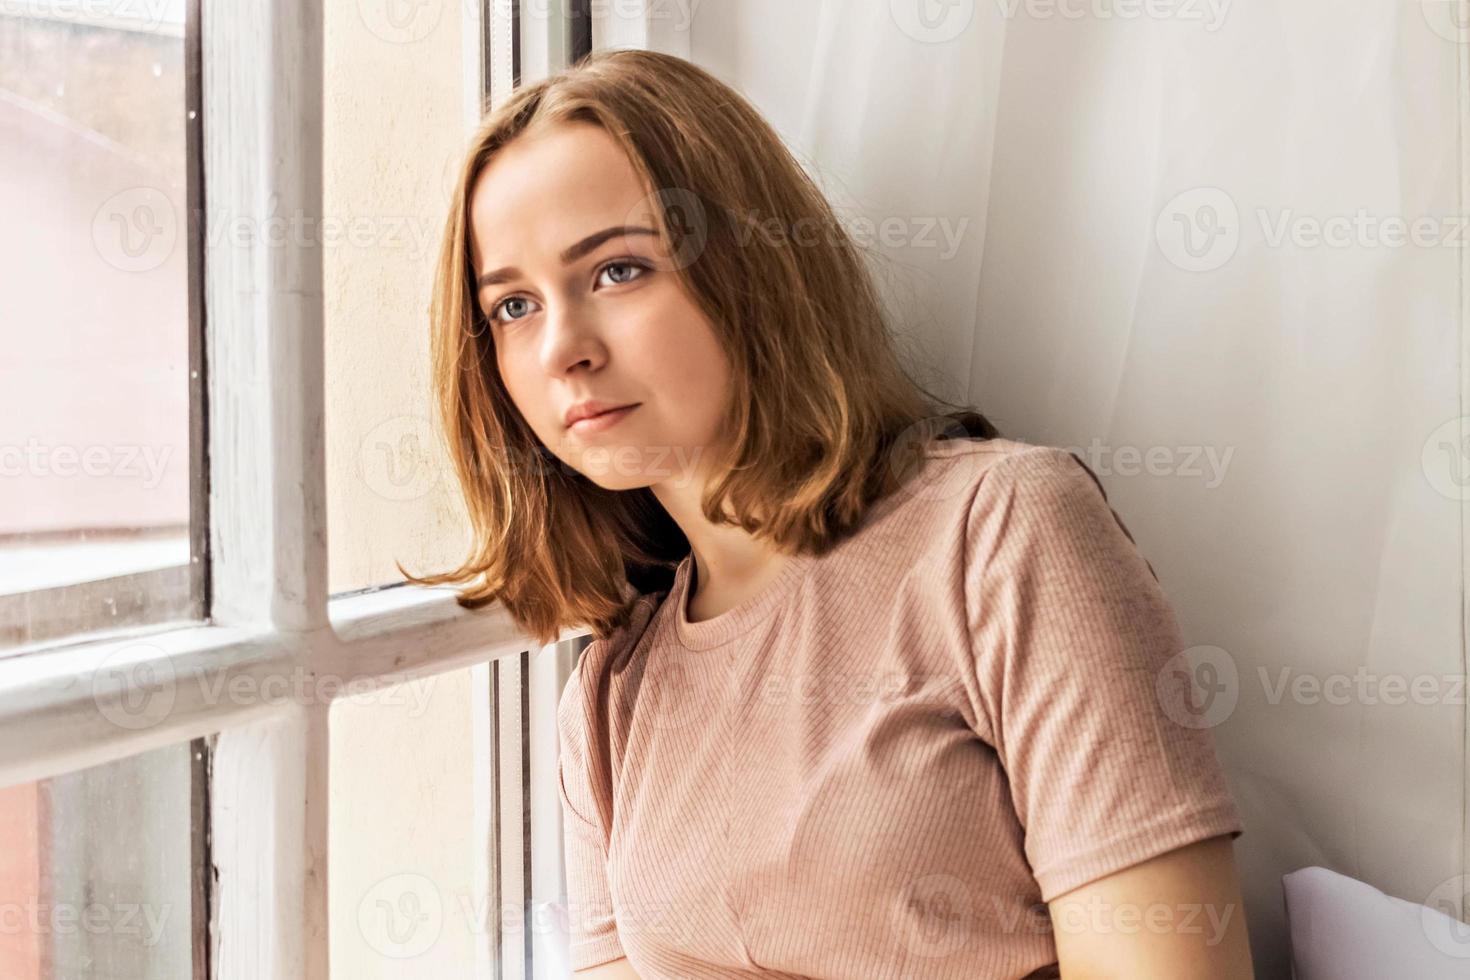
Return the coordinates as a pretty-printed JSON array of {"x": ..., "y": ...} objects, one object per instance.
[{"x": 825, "y": 419}]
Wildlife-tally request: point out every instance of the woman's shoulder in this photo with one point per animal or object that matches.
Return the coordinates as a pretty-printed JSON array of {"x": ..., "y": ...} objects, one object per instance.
[
  {"x": 1046, "y": 494},
  {"x": 620, "y": 643},
  {"x": 990, "y": 466},
  {"x": 605, "y": 658},
  {"x": 992, "y": 495},
  {"x": 959, "y": 476}
]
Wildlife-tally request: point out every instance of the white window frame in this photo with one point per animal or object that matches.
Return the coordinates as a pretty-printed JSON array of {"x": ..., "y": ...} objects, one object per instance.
[{"x": 70, "y": 705}]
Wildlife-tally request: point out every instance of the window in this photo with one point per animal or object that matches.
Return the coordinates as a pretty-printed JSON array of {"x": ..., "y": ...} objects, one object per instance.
[
  {"x": 199, "y": 653},
  {"x": 97, "y": 468}
]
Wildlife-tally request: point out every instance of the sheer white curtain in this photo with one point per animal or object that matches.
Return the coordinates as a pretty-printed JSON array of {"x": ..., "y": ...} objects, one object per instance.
[{"x": 1219, "y": 250}]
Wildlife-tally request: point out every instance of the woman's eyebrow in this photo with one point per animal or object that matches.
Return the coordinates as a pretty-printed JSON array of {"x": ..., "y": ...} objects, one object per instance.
[{"x": 569, "y": 256}]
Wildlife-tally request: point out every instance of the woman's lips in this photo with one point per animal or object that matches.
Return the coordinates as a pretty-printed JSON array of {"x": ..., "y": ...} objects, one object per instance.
[{"x": 598, "y": 423}]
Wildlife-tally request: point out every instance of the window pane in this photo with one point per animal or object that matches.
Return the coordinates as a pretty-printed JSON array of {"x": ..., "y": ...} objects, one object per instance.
[
  {"x": 390, "y": 149},
  {"x": 94, "y": 384},
  {"x": 87, "y": 896}
]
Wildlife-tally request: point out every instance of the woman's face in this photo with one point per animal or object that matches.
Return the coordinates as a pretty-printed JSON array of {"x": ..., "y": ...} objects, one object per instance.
[{"x": 578, "y": 312}]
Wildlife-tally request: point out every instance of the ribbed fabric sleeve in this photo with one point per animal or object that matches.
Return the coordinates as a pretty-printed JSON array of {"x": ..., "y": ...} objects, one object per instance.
[{"x": 1070, "y": 634}]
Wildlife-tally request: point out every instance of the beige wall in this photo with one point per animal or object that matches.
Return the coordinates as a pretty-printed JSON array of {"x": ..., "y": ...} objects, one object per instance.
[
  {"x": 401, "y": 784},
  {"x": 394, "y": 128}
]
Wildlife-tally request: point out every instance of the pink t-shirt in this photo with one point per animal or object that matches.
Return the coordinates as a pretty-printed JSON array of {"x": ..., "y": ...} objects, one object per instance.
[{"x": 886, "y": 762}]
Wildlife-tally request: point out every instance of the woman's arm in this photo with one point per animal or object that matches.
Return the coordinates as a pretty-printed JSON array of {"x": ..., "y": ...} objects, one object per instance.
[
  {"x": 618, "y": 969},
  {"x": 1178, "y": 916}
]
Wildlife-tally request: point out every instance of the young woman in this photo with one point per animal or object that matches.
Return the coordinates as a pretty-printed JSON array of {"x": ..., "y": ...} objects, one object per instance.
[{"x": 873, "y": 692}]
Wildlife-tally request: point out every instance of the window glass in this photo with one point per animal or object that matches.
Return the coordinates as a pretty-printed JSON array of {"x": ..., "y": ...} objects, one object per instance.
[
  {"x": 94, "y": 382},
  {"x": 86, "y": 896}
]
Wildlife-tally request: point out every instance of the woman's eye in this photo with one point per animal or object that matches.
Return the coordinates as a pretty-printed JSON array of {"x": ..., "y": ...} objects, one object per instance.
[
  {"x": 630, "y": 267},
  {"x": 506, "y": 304}
]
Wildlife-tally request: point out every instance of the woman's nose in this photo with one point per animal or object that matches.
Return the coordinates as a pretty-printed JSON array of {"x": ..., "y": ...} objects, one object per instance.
[{"x": 571, "y": 339}]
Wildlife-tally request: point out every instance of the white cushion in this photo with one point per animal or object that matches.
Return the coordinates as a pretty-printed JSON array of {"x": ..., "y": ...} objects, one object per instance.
[{"x": 1343, "y": 929}]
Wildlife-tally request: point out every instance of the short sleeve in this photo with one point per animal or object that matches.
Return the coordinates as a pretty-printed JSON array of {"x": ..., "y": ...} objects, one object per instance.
[
  {"x": 593, "y": 932},
  {"x": 1070, "y": 632}
]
